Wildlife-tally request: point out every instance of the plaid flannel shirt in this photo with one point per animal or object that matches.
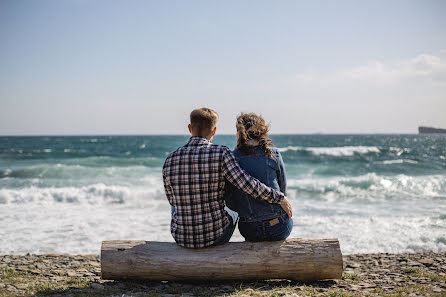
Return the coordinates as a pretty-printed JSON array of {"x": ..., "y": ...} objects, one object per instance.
[{"x": 194, "y": 179}]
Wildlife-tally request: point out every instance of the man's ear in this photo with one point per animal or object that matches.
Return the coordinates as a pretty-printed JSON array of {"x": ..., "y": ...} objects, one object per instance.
[
  {"x": 214, "y": 130},
  {"x": 190, "y": 128}
]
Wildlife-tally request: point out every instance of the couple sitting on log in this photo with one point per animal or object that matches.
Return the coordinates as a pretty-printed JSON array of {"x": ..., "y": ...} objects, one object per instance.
[{"x": 210, "y": 187}]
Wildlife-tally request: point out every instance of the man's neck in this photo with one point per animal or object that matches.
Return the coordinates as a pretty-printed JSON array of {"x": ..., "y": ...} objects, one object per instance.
[{"x": 207, "y": 137}]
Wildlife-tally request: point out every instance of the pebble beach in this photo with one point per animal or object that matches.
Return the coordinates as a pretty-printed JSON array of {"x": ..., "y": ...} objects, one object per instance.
[{"x": 382, "y": 274}]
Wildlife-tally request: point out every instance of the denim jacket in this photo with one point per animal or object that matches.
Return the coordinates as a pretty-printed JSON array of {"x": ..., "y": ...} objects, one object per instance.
[{"x": 268, "y": 170}]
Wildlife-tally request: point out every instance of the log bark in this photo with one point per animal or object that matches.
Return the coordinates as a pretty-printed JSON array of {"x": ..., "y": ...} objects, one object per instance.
[{"x": 293, "y": 259}]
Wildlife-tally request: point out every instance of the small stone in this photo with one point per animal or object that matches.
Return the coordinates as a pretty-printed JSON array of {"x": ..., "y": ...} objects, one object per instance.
[
  {"x": 39, "y": 265},
  {"x": 58, "y": 279},
  {"x": 353, "y": 265},
  {"x": 436, "y": 290},
  {"x": 227, "y": 288},
  {"x": 426, "y": 261},
  {"x": 60, "y": 272},
  {"x": 21, "y": 268},
  {"x": 35, "y": 271},
  {"x": 75, "y": 264},
  {"x": 94, "y": 263},
  {"x": 413, "y": 263},
  {"x": 97, "y": 286},
  {"x": 21, "y": 286}
]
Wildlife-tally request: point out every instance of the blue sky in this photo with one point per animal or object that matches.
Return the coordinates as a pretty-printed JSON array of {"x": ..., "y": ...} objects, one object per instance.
[{"x": 140, "y": 67}]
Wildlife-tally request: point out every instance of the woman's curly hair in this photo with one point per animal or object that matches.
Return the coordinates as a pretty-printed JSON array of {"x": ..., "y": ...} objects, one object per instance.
[{"x": 251, "y": 126}]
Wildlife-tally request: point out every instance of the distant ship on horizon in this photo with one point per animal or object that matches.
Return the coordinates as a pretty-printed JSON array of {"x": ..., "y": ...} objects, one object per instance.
[{"x": 430, "y": 130}]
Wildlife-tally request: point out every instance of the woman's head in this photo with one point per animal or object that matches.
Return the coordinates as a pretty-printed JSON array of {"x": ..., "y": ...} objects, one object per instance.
[{"x": 252, "y": 131}]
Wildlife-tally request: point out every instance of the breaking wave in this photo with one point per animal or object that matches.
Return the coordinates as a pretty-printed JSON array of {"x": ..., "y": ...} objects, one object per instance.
[
  {"x": 96, "y": 194},
  {"x": 371, "y": 187},
  {"x": 340, "y": 151},
  {"x": 345, "y": 151}
]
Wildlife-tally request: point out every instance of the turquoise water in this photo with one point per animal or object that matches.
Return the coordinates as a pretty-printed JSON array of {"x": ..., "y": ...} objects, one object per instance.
[{"x": 376, "y": 193}]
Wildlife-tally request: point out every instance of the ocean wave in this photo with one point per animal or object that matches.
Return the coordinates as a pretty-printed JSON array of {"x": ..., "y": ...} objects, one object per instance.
[
  {"x": 398, "y": 161},
  {"x": 370, "y": 187},
  {"x": 341, "y": 151},
  {"x": 95, "y": 194},
  {"x": 62, "y": 229},
  {"x": 86, "y": 169}
]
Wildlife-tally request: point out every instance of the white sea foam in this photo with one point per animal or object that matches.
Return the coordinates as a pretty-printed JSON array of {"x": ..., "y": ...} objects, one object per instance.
[
  {"x": 368, "y": 213},
  {"x": 399, "y": 161},
  {"x": 403, "y": 226},
  {"x": 370, "y": 187},
  {"x": 96, "y": 194},
  {"x": 334, "y": 151}
]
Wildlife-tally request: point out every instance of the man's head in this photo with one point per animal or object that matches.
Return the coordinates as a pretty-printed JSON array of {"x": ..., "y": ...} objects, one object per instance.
[{"x": 203, "y": 122}]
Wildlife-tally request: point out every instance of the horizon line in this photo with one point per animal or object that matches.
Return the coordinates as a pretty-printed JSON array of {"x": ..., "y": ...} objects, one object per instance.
[{"x": 221, "y": 134}]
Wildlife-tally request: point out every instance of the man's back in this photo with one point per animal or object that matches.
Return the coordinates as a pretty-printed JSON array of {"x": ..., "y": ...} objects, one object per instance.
[{"x": 194, "y": 183}]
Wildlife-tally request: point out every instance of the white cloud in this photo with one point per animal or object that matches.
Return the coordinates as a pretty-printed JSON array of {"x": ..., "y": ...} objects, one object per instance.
[{"x": 420, "y": 68}]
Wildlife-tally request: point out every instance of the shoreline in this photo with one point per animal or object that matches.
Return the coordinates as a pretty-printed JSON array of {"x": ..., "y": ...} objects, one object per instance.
[{"x": 379, "y": 274}]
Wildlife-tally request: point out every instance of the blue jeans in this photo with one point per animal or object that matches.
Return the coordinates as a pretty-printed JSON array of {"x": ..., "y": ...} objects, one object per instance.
[
  {"x": 227, "y": 233},
  {"x": 269, "y": 230}
]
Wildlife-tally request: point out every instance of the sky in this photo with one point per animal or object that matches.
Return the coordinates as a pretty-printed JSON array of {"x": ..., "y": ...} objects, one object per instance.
[{"x": 140, "y": 67}]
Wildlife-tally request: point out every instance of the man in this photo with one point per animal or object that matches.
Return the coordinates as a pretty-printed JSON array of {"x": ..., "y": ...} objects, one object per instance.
[{"x": 194, "y": 180}]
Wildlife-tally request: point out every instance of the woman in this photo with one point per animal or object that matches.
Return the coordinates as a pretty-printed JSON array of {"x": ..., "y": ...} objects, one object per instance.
[{"x": 259, "y": 220}]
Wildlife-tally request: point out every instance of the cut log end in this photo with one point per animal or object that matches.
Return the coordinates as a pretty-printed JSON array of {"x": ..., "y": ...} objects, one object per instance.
[{"x": 293, "y": 259}]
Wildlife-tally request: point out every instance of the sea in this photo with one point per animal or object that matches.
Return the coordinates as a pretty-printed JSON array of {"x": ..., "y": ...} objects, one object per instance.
[{"x": 375, "y": 193}]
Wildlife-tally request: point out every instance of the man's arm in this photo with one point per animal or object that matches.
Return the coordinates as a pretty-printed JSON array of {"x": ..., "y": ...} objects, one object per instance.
[
  {"x": 250, "y": 185},
  {"x": 168, "y": 187}
]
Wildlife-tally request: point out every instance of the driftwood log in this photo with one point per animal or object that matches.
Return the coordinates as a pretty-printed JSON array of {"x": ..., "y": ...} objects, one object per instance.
[{"x": 293, "y": 259}]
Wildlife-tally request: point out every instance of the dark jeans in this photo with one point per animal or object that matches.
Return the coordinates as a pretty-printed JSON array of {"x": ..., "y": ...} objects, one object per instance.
[
  {"x": 269, "y": 230},
  {"x": 227, "y": 233}
]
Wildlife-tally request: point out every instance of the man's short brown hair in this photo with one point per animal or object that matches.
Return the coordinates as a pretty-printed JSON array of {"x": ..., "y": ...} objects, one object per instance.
[{"x": 203, "y": 120}]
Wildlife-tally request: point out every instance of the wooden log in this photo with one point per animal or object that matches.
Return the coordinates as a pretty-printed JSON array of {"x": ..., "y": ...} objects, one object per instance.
[{"x": 293, "y": 259}]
